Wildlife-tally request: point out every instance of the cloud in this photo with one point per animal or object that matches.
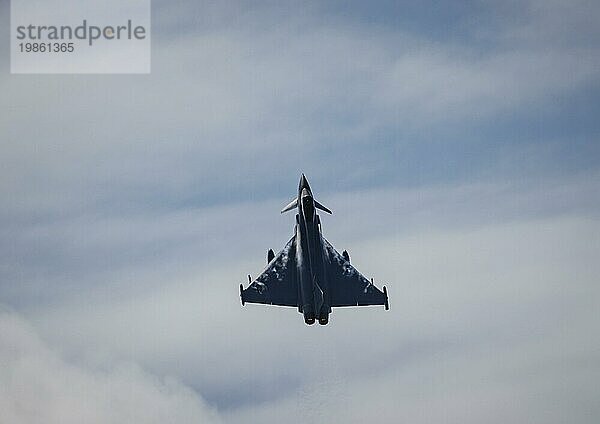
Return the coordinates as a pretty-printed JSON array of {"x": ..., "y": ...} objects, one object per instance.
[
  {"x": 276, "y": 92},
  {"x": 133, "y": 251},
  {"x": 470, "y": 270},
  {"x": 489, "y": 324},
  {"x": 40, "y": 386}
]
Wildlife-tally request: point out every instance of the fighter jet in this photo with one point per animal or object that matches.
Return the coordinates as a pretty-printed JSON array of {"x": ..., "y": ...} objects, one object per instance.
[{"x": 309, "y": 273}]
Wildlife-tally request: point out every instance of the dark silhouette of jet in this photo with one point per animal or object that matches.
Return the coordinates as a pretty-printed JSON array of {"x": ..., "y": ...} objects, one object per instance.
[{"x": 309, "y": 273}]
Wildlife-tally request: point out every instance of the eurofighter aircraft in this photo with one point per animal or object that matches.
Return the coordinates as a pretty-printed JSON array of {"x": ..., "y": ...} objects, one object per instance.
[{"x": 309, "y": 273}]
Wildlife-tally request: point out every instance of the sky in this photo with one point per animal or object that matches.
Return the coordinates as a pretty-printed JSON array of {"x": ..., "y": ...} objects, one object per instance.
[{"x": 458, "y": 146}]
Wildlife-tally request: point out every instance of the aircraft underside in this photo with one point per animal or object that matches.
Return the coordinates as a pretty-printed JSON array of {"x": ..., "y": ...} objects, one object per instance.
[{"x": 308, "y": 273}]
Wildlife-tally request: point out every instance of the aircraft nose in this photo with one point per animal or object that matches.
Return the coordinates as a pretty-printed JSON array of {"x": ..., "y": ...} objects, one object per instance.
[{"x": 303, "y": 183}]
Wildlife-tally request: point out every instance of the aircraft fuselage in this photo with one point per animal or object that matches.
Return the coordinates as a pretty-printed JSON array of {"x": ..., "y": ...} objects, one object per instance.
[
  {"x": 308, "y": 273},
  {"x": 310, "y": 259}
]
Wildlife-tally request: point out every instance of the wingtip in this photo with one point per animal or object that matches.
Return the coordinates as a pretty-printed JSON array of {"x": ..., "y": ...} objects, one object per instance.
[{"x": 387, "y": 303}]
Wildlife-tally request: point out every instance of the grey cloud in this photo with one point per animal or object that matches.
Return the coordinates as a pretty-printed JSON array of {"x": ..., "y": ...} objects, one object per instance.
[
  {"x": 111, "y": 250},
  {"x": 251, "y": 99},
  {"x": 456, "y": 289}
]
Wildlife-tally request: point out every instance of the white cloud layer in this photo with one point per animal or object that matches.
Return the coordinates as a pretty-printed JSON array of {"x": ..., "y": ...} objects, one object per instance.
[{"x": 37, "y": 385}]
